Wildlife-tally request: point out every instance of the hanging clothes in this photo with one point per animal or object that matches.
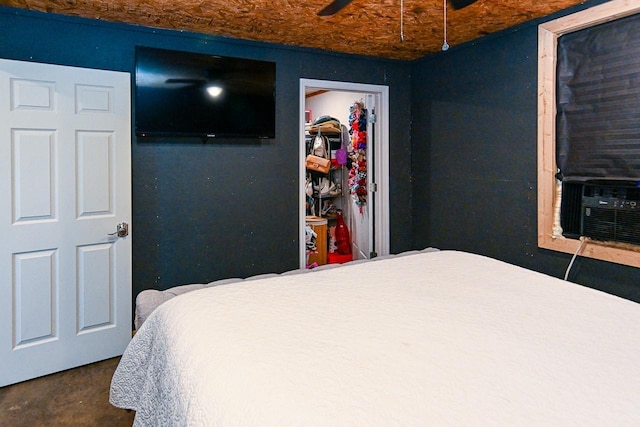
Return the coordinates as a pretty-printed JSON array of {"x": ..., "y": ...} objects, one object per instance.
[{"x": 358, "y": 154}]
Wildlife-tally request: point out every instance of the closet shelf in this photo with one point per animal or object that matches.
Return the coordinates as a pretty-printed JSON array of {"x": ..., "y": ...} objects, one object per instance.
[{"x": 327, "y": 196}]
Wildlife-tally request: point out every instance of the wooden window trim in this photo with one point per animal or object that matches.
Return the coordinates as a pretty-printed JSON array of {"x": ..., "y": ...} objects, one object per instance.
[{"x": 548, "y": 190}]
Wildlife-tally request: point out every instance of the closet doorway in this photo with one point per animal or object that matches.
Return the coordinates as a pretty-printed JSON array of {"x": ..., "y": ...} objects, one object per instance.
[{"x": 368, "y": 222}]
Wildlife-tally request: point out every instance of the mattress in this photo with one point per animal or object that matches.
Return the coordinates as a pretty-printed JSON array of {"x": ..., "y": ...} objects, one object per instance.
[{"x": 440, "y": 338}]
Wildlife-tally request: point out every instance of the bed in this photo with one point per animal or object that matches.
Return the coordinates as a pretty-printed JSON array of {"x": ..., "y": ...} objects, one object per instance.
[{"x": 431, "y": 338}]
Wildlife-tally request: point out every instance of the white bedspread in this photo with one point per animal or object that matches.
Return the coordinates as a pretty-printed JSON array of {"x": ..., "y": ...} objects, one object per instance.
[{"x": 442, "y": 338}]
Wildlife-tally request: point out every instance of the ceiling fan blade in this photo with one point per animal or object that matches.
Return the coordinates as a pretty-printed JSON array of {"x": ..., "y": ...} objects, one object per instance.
[
  {"x": 459, "y": 4},
  {"x": 334, "y": 7},
  {"x": 183, "y": 81}
]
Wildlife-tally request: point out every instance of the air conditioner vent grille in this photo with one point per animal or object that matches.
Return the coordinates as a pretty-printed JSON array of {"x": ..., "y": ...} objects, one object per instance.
[
  {"x": 612, "y": 224},
  {"x": 628, "y": 226}
]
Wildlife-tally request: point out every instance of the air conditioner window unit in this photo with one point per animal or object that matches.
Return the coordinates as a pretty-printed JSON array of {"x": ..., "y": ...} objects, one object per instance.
[{"x": 611, "y": 213}]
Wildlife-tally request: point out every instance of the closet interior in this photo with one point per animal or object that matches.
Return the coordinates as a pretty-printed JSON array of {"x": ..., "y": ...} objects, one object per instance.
[{"x": 335, "y": 147}]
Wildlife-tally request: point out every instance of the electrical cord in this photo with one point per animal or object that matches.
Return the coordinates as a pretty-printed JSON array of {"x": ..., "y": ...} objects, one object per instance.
[{"x": 583, "y": 240}]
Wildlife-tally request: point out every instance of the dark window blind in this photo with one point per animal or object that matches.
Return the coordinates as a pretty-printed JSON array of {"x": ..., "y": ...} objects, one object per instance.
[{"x": 598, "y": 102}]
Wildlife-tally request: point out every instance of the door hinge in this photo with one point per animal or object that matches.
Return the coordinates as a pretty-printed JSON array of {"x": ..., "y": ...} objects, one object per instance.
[{"x": 373, "y": 187}]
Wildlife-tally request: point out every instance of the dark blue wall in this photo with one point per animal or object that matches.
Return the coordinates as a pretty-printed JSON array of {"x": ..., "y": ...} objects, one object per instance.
[
  {"x": 474, "y": 158},
  {"x": 205, "y": 212},
  {"x": 462, "y": 168}
]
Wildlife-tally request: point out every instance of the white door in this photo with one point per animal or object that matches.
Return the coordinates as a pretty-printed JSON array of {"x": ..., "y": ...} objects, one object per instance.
[
  {"x": 362, "y": 219},
  {"x": 65, "y": 184}
]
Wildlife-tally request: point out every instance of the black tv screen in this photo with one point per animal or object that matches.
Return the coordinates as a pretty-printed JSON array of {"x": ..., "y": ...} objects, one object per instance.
[{"x": 207, "y": 96}]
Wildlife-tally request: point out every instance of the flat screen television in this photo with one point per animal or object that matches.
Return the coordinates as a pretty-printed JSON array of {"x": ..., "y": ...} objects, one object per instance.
[{"x": 187, "y": 94}]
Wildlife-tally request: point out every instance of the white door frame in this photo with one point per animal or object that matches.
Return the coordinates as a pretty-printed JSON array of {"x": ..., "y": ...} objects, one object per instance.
[{"x": 381, "y": 153}]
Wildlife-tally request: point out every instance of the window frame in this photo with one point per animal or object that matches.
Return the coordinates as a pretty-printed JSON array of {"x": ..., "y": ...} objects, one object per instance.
[{"x": 549, "y": 192}]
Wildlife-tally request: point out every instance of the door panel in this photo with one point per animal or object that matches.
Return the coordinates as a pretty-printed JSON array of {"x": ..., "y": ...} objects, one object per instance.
[
  {"x": 65, "y": 179},
  {"x": 33, "y": 175},
  {"x": 359, "y": 223},
  {"x": 95, "y": 287},
  {"x": 95, "y": 175},
  {"x": 34, "y": 293}
]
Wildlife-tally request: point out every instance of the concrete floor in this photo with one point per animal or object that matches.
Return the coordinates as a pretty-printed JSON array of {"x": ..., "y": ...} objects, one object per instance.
[{"x": 77, "y": 397}]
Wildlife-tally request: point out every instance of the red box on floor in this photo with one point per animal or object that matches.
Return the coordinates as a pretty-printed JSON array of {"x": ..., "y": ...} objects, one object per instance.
[{"x": 333, "y": 258}]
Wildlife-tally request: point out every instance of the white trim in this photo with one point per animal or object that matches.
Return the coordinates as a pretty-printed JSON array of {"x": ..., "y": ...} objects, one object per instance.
[{"x": 381, "y": 154}]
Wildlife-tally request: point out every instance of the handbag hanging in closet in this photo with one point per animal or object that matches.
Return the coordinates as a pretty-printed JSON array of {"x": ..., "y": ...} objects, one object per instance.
[
  {"x": 318, "y": 159},
  {"x": 317, "y": 164}
]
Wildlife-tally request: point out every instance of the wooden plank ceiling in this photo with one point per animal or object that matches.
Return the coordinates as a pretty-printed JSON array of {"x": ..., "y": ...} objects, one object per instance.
[{"x": 365, "y": 27}]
